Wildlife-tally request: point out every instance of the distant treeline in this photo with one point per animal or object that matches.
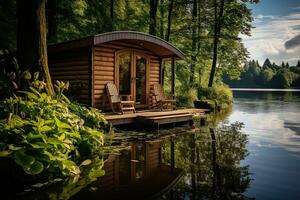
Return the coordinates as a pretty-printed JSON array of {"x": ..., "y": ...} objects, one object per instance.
[{"x": 267, "y": 76}]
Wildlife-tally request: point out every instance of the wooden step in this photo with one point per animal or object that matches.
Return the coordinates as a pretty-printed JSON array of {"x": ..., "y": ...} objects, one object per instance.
[
  {"x": 169, "y": 116},
  {"x": 162, "y": 113},
  {"x": 128, "y": 108},
  {"x": 168, "y": 119}
]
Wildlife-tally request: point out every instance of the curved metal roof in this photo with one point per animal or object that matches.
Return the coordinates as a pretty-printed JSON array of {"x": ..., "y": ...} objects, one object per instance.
[{"x": 152, "y": 43}]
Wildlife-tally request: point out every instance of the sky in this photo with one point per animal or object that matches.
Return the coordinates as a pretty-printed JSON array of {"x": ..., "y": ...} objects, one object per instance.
[{"x": 277, "y": 31}]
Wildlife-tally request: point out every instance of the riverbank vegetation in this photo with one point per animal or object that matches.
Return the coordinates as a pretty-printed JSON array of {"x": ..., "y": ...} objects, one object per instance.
[
  {"x": 47, "y": 139},
  {"x": 269, "y": 75}
]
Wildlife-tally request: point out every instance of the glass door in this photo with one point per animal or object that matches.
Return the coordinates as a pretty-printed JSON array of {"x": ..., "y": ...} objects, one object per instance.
[
  {"x": 140, "y": 80},
  {"x": 125, "y": 71},
  {"x": 131, "y": 76}
]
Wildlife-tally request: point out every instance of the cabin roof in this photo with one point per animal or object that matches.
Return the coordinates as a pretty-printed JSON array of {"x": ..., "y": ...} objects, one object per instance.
[{"x": 152, "y": 43}]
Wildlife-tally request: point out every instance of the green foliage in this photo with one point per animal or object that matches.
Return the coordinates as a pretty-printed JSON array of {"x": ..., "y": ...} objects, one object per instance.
[
  {"x": 69, "y": 20},
  {"x": 49, "y": 135},
  {"x": 269, "y": 75},
  {"x": 186, "y": 98},
  {"x": 284, "y": 78},
  {"x": 219, "y": 95}
]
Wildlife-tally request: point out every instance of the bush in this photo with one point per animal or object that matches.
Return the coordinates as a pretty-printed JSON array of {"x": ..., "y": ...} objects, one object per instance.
[
  {"x": 186, "y": 98},
  {"x": 220, "y": 95},
  {"x": 48, "y": 135}
]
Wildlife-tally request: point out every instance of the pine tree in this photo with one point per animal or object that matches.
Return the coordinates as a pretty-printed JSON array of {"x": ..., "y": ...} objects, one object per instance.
[
  {"x": 287, "y": 65},
  {"x": 257, "y": 64},
  {"x": 298, "y": 64},
  {"x": 282, "y": 65},
  {"x": 267, "y": 64}
]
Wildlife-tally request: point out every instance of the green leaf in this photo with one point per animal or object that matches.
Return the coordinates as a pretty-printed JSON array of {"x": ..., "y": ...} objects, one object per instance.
[
  {"x": 38, "y": 185},
  {"x": 46, "y": 129},
  {"x": 5, "y": 153},
  {"x": 30, "y": 95},
  {"x": 23, "y": 159},
  {"x": 12, "y": 147},
  {"x": 36, "y": 168},
  {"x": 96, "y": 173},
  {"x": 62, "y": 137},
  {"x": 71, "y": 167},
  {"x": 86, "y": 162},
  {"x": 26, "y": 75},
  {"x": 36, "y": 75}
]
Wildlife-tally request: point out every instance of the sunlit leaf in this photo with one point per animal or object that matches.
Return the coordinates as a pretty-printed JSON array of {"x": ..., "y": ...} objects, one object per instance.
[{"x": 86, "y": 162}]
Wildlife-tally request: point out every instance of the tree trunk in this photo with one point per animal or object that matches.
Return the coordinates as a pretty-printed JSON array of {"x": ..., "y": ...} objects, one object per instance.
[
  {"x": 32, "y": 39},
  {"x": 153, "y": 11},
  {"x": 51, "y": 11},
  {"x": 162, "y": 16},
  {"x": 112, "y": 14},
  {"x": 217, "y": 31},
  {"x": 198, "y": 43},
  {"x": 169, "y": 20},
  {"x": 194, "y": 41}
]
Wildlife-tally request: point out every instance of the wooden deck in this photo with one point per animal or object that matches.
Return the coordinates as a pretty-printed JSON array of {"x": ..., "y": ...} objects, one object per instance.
[{"x": 155, "y": 117}]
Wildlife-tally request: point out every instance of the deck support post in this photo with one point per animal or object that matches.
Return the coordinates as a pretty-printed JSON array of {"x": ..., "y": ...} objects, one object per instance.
[
  {"x": 161, "y": 72},
  {"x": 173, "y": 77}
]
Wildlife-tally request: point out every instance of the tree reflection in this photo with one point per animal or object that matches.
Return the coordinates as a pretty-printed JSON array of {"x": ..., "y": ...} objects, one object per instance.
[{"x": 211, "y": 160}]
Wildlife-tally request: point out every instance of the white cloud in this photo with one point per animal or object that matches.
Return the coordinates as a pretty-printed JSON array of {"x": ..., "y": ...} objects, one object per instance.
[
  {"x": 260, "y": 16},
  {"x": 296, "y": 8},
  {"x": 270, "y": 35}
]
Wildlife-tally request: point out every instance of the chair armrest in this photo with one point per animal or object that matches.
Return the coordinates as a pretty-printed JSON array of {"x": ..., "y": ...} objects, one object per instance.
[{"x": 128, "y": 96}]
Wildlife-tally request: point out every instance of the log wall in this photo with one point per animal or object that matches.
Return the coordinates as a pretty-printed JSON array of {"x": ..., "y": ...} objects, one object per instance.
[{"x": 73, "y": 66}]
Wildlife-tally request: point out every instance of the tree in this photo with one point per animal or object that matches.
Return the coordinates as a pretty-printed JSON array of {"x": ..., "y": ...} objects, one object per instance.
[
  {"x": 284, "y": 78},
  {"x": 287, "y": 65},
  {"x": 169, "y": 20},
  {"x": 298, "y": 63},
  {"x": 112, "y": 14},
  {"x": 162, "y": 16},
  {"x": 32, "y": 38},
  {"x": 267, "y": 76},
  {"x": 194, "y": 41},
  {"x": 153, "y": 11},
  {"x": 7, "y": 25},
  {"x": 267, "y": 64},
  {"x": 217, "y": 30}
]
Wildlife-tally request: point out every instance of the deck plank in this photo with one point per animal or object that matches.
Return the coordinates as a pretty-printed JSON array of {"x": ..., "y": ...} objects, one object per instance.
[{"x": 155, "y": 117}]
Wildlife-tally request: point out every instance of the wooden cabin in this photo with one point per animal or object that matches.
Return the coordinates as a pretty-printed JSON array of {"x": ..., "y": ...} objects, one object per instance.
[{"x": 132, "y": 60}]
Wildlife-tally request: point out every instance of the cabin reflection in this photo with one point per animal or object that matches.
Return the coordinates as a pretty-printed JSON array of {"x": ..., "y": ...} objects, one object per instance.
[{"x": 137, "y": 173}]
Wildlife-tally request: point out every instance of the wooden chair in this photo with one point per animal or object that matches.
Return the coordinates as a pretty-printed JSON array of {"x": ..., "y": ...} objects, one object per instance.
[
  {"x": 116, "y": 99},
  {"x": 161, "y": 101}
]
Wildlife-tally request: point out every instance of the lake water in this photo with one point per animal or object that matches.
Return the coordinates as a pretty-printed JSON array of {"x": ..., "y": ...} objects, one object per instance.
[
  {"x": 250, "y": 152},
  {"x": 259, "y": 161},
  {"x": 272, "y": 122}
]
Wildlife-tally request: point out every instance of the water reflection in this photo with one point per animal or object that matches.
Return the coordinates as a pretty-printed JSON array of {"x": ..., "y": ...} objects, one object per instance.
[
  {"x": 256, "y": 159},
  {"x": 137, "y": 173},
  {"x": 211, "y": 162}
]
